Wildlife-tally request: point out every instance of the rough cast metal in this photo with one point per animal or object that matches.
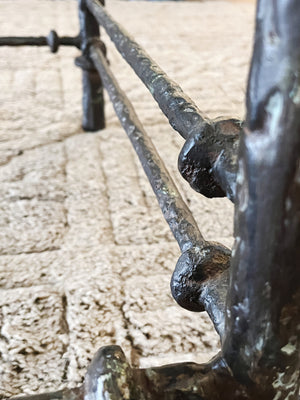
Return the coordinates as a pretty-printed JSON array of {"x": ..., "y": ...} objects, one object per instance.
[
  {"x": 200, "y": 278},
  {"x": 255, "y": 303},
  {"x": 208, "y": 159},
  {"x": 260, "y": 351}
]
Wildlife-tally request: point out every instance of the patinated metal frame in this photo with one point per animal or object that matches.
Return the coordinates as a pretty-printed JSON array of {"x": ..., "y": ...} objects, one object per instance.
[{"x": 252, "y": 294}]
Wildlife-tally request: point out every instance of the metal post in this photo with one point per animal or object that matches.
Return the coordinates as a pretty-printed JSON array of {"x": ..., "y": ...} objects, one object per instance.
[
  {"x": 92, "y": 100},
  {"x": 262, "y": 327}
]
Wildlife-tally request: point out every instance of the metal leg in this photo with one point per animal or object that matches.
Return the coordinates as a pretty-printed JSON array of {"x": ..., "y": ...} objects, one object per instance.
[
  {"x": 263, "y": 333},
  {"x": 92, "y": 100},
  {"x": 260, "y": 350}
]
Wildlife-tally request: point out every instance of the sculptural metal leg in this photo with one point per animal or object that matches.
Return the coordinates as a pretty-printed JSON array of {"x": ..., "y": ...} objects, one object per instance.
[
  {"x": 263, "y": 332},
  {"x": 260, "y": 351}
]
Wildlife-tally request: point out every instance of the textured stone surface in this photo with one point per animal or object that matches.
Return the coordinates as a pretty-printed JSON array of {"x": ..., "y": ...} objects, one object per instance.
[
  {"x": 85, "y": 256},
  {"x": 34, "y": 338}
]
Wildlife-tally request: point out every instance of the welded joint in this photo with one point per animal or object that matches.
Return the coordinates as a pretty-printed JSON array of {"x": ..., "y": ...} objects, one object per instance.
[
  {"x": 208, "y": 159},
  {"x": 96, "y": 41},
  {"x": 199, "y": 281},
  {"x": 194, "y": 268}
]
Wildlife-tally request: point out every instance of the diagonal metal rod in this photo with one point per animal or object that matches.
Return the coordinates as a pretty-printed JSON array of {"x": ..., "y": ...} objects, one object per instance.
[
  {"x": 202, "y": 268},
  {"x": 209, "y": 174},
  {"x": 64, "y": 394},
  {"x": 182, "y": 113},
  {"x": 175, "y": 211}
]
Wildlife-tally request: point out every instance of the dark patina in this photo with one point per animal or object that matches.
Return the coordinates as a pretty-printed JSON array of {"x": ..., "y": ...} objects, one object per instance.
[{"x": 251, "y": 294}]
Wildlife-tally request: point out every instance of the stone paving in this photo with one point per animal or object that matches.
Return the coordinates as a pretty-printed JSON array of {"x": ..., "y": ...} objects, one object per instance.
[{"x": 85, "y": 255}]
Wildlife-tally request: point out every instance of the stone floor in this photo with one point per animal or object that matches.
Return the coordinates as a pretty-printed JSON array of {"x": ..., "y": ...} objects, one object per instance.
[{"x": 85, "y": 255}]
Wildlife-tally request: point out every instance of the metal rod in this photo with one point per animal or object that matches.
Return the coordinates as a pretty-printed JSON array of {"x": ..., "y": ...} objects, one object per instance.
[
  {"x": 69, "y": 41},
  {"x": 175, "y": 211},
  {"x": 262, "y": 343},
  {"x": 202, "y": 267},
  {"x": 36, "y": 41},
  {"x": 207, "y": 173},
  {"x": 52, "y": 40},
  {"x": 182, "y": 113},
  {"x": 23, "y": 41}
]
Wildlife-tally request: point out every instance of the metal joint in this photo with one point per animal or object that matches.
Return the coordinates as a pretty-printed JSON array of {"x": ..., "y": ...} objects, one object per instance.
[{"x": 208, "y": 159}]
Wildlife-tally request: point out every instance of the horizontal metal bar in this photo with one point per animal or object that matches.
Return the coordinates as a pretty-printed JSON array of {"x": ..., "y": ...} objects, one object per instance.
[
  {"x": 202, "y": 264},
  {"x": 23, "y": 41},
  {"x": 52, "y": 40},
  {"x": 182, "y": 113},
  {"x": 35, "y": 41}
]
